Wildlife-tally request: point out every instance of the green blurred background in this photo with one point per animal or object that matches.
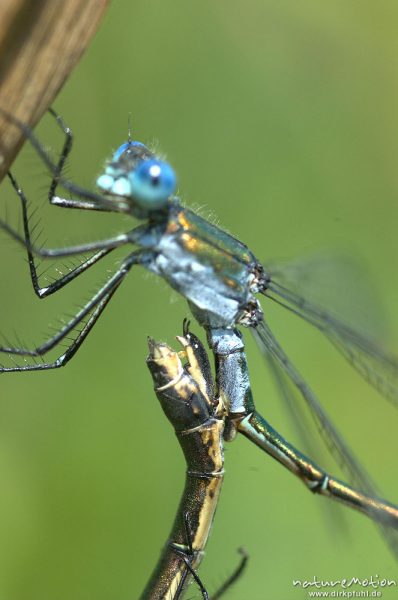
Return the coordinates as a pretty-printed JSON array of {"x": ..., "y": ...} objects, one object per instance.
[{"x": 280, "y": 119}]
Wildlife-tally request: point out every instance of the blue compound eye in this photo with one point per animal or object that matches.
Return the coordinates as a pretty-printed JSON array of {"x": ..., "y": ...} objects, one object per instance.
[
  {"x": 125, "y": 147},
  {"x": 152, "y": 183}
]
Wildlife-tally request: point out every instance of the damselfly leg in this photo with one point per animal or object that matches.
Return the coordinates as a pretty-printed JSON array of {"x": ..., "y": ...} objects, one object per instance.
[
  {"x": 67, "y": 147},
  {"x": 233, "y": 578},
  {"x": 91, "y": 200},
  {"x": 91, "y": 311},
  {"x": 43, "y": 291},
  {"x": 189, "y": 556},
  {"x": 87, "y": 316},
  {"x": 83, "y": 203}
]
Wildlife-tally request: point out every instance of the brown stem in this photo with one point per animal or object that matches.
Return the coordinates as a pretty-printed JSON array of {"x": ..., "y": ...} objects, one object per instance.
[{"x": 40, "y": 43}]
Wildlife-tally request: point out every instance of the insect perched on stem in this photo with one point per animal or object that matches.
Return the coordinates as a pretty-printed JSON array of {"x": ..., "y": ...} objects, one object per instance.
[{"x": 220, "y": 278}]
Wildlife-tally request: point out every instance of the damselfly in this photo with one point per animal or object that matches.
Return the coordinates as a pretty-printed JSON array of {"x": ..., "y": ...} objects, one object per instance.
[
  {"x": 186, "y": 394},
  {"x": 220, "y": 278}
]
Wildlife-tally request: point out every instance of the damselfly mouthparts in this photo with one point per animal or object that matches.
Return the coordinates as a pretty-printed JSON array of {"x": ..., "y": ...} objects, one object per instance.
[{"x": 220, "y": 277}]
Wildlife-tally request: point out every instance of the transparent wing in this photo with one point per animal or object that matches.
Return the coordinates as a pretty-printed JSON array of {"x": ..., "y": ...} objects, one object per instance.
[
  {"x": 318, "y": 290},
  {"x": 332, "y": 516},
  {"x": 291, "y": 403},
  {"x": 334, "y": 442}
]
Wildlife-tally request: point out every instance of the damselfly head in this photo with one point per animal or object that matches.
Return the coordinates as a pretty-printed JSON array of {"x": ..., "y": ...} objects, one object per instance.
[{"x": 135, "y": 173}]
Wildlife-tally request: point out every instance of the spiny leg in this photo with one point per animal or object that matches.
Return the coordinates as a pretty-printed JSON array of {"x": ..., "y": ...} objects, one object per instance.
[
  {"x": 107, "y": 244},
  {"x": 67, "y": 147},
  {"x": 228, "y": 583},
  {"x": 71, "y": 350},
  {"x": 43, "y": 292},
  {"x": 96, "y": 304},
  {"x": 235, "y": 575},
  {"x": 57, "y": 200},
  {"x": 188, "y": 555},
  {"x": 92, "y": 200}
]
